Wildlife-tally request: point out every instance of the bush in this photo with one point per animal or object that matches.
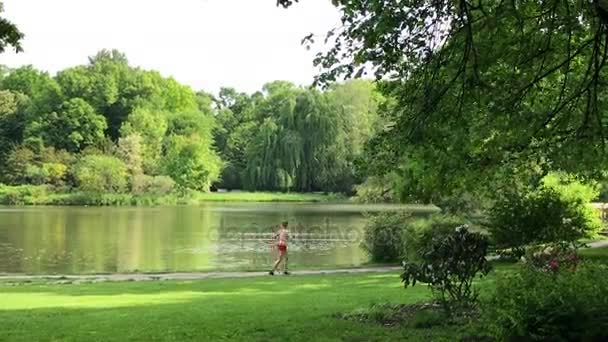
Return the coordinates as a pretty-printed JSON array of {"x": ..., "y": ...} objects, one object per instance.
[
  {"x": 418, "y": 236},
  {"x": 383, "y": 235},
  {"x": 542, "y": 306},
  {"x": 22, "y": 194},
  {"x": 159, "y": 185},
  {"x": 101, "y": 173},
  {"x": 552, "y": 258},
  {"x": 450, "y": 261},
  {"x": 557, "y": 211}
]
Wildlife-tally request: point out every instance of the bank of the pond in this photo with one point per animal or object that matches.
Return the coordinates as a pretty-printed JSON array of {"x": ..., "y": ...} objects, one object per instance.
[{"x": 44, "y": 195}]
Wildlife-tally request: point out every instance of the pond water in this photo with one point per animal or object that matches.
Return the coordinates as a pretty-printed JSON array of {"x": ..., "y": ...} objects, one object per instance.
[{"x": 210, "y": 237}]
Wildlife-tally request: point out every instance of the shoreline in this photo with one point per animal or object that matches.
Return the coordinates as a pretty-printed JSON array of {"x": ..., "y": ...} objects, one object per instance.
[{"x": 31, "y": 195}]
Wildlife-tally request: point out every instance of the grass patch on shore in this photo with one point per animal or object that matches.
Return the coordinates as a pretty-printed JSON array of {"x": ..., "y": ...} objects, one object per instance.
[{"x": 44, "y": 195}]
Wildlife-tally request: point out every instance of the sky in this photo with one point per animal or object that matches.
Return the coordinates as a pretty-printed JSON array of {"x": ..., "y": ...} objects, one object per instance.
[{"x": 206, "y": 44}]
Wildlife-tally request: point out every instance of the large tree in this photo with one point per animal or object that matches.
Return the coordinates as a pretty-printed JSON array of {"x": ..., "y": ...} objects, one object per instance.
[
  {"x": 73, "y": 127},
  {"x": 481, "y": 86}
]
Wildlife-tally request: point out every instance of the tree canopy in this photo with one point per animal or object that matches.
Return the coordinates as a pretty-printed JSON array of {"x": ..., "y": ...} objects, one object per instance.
[
  {"x": 480, "y": 86},
  {"x": 60, "y": 129}
]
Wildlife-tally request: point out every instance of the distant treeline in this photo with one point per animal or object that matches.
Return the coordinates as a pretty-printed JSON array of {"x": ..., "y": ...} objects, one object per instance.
[{"x": 108, "y": 127}]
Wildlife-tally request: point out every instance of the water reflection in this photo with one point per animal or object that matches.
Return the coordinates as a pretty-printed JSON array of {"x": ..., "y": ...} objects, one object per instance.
[{"x": 77, "y": 240}]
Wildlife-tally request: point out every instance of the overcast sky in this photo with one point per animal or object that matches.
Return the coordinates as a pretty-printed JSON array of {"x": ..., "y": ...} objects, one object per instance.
[{"x": 204, "y": 43}]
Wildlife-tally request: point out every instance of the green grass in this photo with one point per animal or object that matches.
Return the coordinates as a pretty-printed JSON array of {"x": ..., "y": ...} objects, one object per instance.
[
  {"x": 296, "y": 308},
  {"x": 44, "y": 195}
]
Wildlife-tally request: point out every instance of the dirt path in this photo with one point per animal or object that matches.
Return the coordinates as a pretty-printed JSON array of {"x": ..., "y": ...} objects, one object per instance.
[{"x": 65, "y": 279}]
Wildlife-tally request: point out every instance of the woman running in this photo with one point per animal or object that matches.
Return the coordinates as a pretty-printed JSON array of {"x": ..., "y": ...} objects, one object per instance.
[{"x": 281, "y": 237}]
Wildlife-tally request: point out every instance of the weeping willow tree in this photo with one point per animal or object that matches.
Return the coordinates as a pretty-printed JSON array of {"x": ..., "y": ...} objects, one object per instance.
[
  {"x": 307, "y": 140},
  {"x": 285, "y": 153},
  {"x": 317, "y": 128},
  {"x": 265, "y": 167}
]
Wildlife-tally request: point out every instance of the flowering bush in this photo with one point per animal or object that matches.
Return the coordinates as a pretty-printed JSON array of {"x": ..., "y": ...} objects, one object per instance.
[{"x": 553, "y": 258}]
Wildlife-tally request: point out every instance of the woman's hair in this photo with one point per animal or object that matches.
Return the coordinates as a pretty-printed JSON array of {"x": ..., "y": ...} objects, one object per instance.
[{"x": 284, "y": 223}]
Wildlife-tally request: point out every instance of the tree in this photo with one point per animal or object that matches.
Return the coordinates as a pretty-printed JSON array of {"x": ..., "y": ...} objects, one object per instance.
[
  {"x": 191, "y": 123},
  {"x": 355, "y": 106},
  {"x": 191, "y": 162},
  {"x": 116, "y": 89},
  {"x": 316, "y": 128},
  {"x": 265, "y": 170},
  {"x": 16, "y": 165},
  {"x": 100, "y": 173},
  {"x": 151, "y": 125},
  {"x": 129, "y": 150},
  {"x": 234, "y": 129},
  {"x": 12, "y": 120},
  {"x": 9, "y": 34},
  {"x": 235, "y": 155},
  {"x": 44, "y": 92},
  {"x": 73, "y": 127},
  {"x": 488, "y": 83}
]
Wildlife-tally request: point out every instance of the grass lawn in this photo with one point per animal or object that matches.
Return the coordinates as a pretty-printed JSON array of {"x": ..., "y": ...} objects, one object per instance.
[{"x": 296, "y": 308}]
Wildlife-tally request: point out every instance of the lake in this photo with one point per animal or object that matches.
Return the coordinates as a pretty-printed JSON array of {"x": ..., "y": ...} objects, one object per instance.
[{"x": 210, "y": 237}]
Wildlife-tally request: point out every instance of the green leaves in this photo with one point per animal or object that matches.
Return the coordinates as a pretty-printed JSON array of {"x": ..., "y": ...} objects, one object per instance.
[
  {"x": 190, "y": 162},
  {"x": 481, "y": 89},
  {"x": 556, "y": 211},
  {"x": 9, "y": 34},
  {"x": 101, "y": 174},
  {"x": 73, "y": 127}
]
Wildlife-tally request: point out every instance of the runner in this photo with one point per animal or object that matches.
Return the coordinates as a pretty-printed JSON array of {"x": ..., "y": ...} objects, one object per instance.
[{"x": 281, "y": 237}]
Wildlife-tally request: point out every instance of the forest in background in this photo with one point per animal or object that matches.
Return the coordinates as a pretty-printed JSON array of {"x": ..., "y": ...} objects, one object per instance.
[{"x": 108, "y": 127}]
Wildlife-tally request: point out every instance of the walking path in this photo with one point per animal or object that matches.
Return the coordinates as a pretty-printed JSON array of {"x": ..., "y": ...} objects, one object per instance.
[
  {"x": 181, "y": 276},
  {"x": 203, "y": 275}
]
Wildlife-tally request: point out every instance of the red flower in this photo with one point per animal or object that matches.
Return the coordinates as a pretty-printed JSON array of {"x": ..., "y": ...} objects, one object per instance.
[{"x": 553, "y": 265}]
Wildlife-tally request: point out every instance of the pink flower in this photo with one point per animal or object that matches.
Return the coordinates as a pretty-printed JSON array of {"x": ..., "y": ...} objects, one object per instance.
[{"x": 553, "y": 265}]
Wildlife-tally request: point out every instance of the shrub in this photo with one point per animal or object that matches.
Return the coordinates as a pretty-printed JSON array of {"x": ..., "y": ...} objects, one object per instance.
[
  {"x": 101, "y": 173},
  {"x": 22, "y": 194},
  {"x": 543, "y": 306},
  {"x": 191, "y": 162},
  {"x": 557, "y": 211},
  {"x": 159, "y": 185},
  {"x": 56, "y": 173},
  {"x": 552, "y": 258},
  {"x": 383, "y": 235},
  {"x": 450, "y": 261},
  {"x": 419, "y": 234},
  {"x": 16, "y": 165}
]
